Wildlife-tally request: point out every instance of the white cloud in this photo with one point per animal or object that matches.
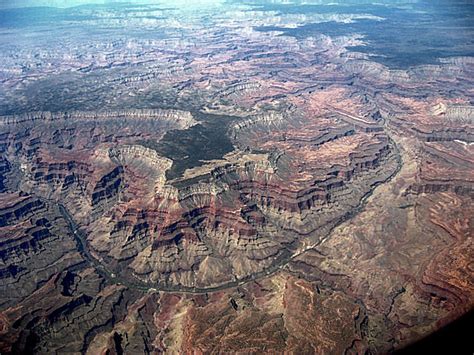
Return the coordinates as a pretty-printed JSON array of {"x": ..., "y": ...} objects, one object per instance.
[{"x": 71, "y": 3}]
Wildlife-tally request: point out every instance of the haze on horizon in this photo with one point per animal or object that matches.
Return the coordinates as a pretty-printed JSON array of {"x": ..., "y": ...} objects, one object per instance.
[{"x": 72, "y": 3}]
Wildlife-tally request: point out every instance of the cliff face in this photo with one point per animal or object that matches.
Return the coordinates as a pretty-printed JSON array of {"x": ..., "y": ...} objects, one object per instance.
[
  {"x": 273, "y": 205},
  {"x": 35, "y": 245},
  {"x": 298, "y": 197},
  {"x": 239, "y": 217},
  {"x": 180, "y": 119},
  {"x": 227, "y": 221}
]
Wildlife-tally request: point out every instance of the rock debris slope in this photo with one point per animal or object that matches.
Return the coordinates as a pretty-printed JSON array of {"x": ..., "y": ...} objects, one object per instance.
[{"x": 223, "y": 186}]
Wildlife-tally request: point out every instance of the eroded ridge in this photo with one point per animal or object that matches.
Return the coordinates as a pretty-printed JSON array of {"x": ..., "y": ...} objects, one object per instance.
[{"x": 233, "y": 179}]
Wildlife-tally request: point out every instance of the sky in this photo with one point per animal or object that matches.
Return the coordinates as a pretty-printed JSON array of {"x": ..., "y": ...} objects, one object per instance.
[{"x": 71, "y": 3}]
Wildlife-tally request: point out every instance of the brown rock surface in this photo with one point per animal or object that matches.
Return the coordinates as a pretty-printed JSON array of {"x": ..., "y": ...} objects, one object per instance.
[{"x": 222, "y": 189}]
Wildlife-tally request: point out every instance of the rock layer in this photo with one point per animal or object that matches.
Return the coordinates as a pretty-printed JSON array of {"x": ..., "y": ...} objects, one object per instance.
[{"x": 189, "y": 182}]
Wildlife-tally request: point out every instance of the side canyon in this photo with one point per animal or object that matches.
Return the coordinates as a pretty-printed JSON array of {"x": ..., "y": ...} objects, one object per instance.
[{"x": 228, "y": 187}]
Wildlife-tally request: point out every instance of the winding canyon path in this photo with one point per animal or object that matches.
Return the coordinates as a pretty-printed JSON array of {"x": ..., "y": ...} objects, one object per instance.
[{"x": 114, "y": 278}]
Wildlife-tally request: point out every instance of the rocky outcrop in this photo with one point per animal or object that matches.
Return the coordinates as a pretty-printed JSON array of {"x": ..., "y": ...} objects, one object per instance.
[
  {"x": 446, "y": 166},
  {"x": 64, "y": 314},
  {"x": 182, "y": 119},
  {"x": 108, "y": 186},
  {"x": 246, "y": 216},
  {"x": 210, "y": 186},
  {"x": 35, "y": 245},
  {"x": 265, "y": 119}
]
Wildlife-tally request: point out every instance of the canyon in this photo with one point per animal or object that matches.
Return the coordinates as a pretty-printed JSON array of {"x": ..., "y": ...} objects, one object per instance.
[{"x": 200, "y": 180}]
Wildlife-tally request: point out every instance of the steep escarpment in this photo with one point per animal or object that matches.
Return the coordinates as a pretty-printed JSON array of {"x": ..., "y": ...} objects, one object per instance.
[
  {"x": 180, "y": 119},
  {"x": 66, "y": 156},
  {"x": 435, "y": 121},
  {"x": 79, "y": 306},
  {"x": 35, "y": 245},
  {"x": 447, "y": 166},
  {"x": 247, "y": 213},
  {"x": 195, "y": 179}
]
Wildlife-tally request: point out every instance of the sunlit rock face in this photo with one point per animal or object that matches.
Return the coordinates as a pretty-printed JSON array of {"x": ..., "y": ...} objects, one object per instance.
[{"x": 245, "y": 177}]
